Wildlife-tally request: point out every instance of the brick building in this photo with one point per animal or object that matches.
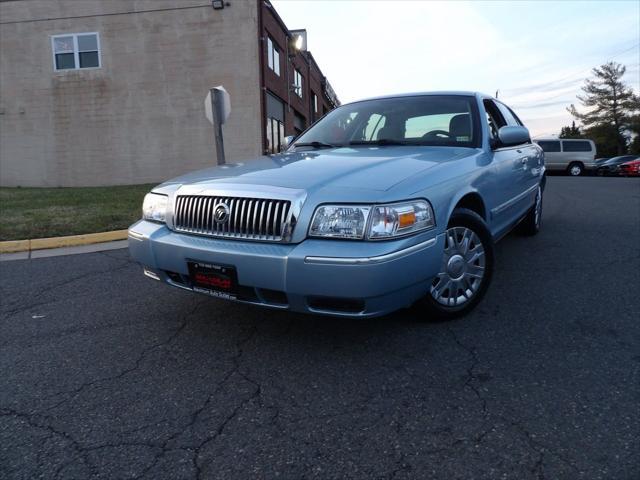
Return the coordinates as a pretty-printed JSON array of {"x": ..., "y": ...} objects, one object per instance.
[
  {"x": 291, "y": 105},
  {"x": 111, "y": 92}
]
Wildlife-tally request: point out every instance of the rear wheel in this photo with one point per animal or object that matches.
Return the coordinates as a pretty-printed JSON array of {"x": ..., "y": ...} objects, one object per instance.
[
  {"x": 575, "y": 169},
  {"x": 466, "y": 269},
  {"x": 530, "y": 224}
]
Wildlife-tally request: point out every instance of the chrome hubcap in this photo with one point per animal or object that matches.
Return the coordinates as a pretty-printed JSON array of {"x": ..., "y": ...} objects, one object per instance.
[
  {"x": 462, "y": 268},
  {"x": 538, "y": 207},
  {"x": 575, "y": 170}
]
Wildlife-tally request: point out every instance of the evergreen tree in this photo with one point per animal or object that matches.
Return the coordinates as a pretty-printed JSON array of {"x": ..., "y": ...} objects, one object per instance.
[
  {"x": 571, "y": 132},
  {"x": 634, "y": 146},
  {"x": 608, "y": 102}
]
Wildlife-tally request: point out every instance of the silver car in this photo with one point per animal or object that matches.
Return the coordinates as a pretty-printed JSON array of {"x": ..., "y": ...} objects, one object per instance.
[{"x": 382, "y": 204}]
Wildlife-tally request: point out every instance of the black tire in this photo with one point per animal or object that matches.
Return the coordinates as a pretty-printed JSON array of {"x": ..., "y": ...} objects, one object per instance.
[
  {"x": 434, "y": 309},
  {"x": 575, "y": 169},
  {"x": 531, "y": 223}
]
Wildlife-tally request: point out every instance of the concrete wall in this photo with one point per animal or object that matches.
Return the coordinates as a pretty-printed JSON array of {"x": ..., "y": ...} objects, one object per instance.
[{"x": 140, "y": 117}]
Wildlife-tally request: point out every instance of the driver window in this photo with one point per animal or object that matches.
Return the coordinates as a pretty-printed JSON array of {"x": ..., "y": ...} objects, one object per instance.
[
  {"x": 494, "y": 118},
  {"x": 508, "y": 116}
]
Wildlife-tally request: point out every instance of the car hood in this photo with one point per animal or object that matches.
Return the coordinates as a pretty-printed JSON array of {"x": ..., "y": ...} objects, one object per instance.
[{"x": 368, "y": 168}]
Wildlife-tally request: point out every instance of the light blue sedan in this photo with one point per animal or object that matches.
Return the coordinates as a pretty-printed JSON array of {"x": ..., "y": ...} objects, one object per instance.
[{"x": 382, "y": 204}]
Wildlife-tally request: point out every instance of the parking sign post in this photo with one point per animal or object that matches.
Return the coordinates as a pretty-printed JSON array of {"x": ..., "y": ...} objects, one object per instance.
[{"x": 217, "y": 107}]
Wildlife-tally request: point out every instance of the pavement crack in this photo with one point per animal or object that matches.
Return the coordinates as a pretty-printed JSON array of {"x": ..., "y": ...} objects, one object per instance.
[
  {"x": 19, "y": 307},
  {"x": 193, "y": 418},
  {"x": 33, "y": 421},
  {"x": 541, "y": 449},
  {"x": 471, "y": 375},
  {"x": 135, "y": 366}
]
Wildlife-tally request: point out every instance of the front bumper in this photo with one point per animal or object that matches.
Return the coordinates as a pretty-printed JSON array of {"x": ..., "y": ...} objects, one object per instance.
[{"x": 333, "y": 277}]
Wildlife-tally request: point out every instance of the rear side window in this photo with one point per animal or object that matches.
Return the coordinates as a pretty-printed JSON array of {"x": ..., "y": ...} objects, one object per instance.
[
  {"x": 549, "y": 145},
  {"x": 576, "y": 146}
]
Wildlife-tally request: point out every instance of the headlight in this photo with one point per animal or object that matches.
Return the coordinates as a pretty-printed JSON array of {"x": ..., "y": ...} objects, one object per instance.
[
  {"x": 154, "y": 207},
  {"x": 340, "y": 221},
  {"x": 390, "y": 221},
  {"x": 373, "y": 222}
]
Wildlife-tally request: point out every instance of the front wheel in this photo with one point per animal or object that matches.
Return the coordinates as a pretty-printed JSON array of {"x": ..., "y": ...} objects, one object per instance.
[{"x": 466, "y": 269}]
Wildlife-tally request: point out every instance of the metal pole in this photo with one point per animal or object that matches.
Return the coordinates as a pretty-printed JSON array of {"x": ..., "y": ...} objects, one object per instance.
[{"x": 217, "y": 127}]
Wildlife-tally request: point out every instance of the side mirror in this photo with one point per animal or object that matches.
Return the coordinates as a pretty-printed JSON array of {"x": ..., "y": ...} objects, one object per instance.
[
  {"x": 288, "y": 140},
  {"x": 512, "y": 135}
]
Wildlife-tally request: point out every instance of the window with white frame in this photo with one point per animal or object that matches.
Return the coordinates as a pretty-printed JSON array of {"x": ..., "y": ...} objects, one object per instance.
[
  {"x": 297, "y": 83},
  {"x": 75, "y": 51},
  {"x": 273, "y": 56}
]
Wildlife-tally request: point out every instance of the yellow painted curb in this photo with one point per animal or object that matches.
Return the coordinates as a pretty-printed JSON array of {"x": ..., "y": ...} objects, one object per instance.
[{"x": 13, "y": 246}]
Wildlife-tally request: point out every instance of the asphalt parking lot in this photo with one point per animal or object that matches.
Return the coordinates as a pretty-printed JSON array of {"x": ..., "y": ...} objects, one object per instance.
[{"x": 107, "y": 374}]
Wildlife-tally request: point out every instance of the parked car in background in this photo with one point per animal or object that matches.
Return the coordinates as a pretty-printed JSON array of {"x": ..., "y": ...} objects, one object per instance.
[
  {"x": 630, "y": 168},
  {"x": 380, "y": 204},
  {"x": 612, "y": 166},
  {"x": 574, "y": 156}
]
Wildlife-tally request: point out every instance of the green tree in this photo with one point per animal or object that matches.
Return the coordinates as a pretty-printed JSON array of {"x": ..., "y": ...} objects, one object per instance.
[
  {"x": 571, "y": 132},
  {"x": 607, "y": 101},
  {"x": 606, "y": 139},
  {"x": 634, "y": 146}
]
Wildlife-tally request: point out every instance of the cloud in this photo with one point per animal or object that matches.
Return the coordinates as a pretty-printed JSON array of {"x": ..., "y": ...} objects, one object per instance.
[{"x": 537, "y": 57}]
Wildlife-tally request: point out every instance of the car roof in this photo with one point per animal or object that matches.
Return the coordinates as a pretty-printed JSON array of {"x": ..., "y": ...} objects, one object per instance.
[
  {"x": 461, "y": 93},
  {"x": 546, "y": 139}
]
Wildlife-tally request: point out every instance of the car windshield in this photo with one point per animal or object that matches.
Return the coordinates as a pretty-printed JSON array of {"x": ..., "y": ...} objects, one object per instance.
[{"x": 442, "y": 120}]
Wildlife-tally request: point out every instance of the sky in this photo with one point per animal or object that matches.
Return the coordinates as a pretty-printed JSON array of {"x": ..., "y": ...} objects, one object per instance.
[{"x": 536, "y": 54}]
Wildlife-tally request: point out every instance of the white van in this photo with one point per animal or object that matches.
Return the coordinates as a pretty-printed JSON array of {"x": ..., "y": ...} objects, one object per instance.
[{"x": 573, "y": 156}]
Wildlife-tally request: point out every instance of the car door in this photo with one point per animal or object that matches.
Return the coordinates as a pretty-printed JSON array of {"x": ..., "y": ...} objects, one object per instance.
[
  {"x": 528, "y": 164},
  {"x": 507, "y": 199}
]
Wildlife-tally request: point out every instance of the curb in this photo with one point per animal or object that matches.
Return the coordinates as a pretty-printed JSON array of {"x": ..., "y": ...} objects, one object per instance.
[{"x": 13, "y": 246}]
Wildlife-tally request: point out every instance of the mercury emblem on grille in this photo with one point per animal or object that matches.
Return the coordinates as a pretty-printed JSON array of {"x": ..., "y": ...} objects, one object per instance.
[{"x": 221, "y": 213}]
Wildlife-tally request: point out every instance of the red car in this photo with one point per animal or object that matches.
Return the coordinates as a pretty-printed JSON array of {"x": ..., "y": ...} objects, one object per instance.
[{"x": 630, "y": 169}]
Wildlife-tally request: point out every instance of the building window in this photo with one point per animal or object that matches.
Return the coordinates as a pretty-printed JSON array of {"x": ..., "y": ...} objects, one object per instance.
[
  {"x": 275, "y": 135},
  {"x": 273, "y": 56},
  {"x": 299, "y": 123},
  {"x": 297, "y": 83},
  {"x": 274, "y": 123},
  {"x": 315, "y": 103},
  {"x": 76, "y": 50}
]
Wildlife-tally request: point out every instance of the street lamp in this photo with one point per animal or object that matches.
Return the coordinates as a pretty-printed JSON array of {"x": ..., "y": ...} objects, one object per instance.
[{"x": 298, "y": 41}]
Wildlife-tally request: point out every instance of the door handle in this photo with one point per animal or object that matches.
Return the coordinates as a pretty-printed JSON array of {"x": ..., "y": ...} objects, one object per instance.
[{"x": 523, "y": 162}]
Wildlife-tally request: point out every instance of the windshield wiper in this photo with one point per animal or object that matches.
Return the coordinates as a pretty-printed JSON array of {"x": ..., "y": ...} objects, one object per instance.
[
  {"x": 315, "y": 145},
  {"x": 379, "y": 142}
]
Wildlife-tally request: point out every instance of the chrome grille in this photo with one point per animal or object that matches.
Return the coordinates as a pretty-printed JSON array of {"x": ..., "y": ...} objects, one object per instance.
[{"x": 250, "y": 218}]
